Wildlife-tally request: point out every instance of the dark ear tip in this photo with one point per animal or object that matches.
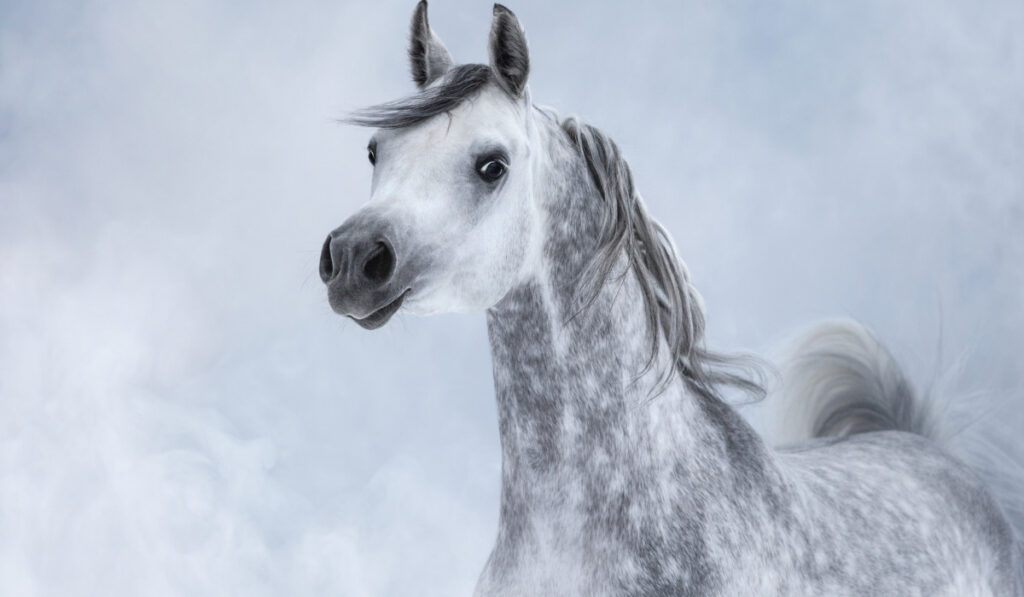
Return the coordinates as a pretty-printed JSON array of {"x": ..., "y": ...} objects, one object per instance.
[
  {"x": 420, "y": 13},
  {"x": 500, "y": 9}
]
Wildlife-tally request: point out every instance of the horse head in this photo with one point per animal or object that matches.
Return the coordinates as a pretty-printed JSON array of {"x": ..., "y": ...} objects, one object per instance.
[{"x": 451, "y": 223}]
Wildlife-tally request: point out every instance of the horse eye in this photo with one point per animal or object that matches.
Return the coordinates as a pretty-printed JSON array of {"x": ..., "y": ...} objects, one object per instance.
[
  {"x": 371, "y": 153},
  {"x": 492, "y": 170}
]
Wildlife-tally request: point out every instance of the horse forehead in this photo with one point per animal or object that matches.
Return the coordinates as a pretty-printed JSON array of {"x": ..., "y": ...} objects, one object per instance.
[
  {"x": 491, "y": 111},
  {"x": 488, "y": 117}
]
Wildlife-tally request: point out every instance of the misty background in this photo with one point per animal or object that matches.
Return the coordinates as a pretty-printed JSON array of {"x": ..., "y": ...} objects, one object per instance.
[{"x": 182, "y": 414}]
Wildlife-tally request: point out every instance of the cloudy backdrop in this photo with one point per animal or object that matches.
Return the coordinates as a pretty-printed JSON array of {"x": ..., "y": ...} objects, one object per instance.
[{"x": 182, "y": 414}]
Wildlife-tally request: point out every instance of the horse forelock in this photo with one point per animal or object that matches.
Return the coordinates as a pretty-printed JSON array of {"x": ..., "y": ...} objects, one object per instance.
[
  {"x": 459, "y": 84},
  {"x": 672, "y": 306}
]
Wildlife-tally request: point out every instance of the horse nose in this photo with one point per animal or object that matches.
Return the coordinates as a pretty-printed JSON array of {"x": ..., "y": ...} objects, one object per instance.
[
  {"x": 373, "y": 260},
  {"x": 379, "y": 263},
  {"x": 328, "y": 269}
]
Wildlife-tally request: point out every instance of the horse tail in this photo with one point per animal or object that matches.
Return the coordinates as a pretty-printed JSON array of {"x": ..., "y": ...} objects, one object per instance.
[{"x": 839, "y": 380}]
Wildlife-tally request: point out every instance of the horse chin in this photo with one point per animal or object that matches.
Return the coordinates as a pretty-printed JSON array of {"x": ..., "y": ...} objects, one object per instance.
[{"x": 381, "y": 316}]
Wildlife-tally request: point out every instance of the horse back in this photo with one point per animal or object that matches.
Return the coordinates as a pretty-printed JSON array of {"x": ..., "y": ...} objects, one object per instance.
[{"x": 889, "y": 509}]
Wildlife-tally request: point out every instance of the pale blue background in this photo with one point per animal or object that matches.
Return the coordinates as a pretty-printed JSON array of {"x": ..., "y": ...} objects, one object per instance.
[{"x": 181, "y": 413}]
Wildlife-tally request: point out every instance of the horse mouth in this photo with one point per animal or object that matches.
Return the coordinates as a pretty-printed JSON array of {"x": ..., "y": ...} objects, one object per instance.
[{"x": 381, "y": 316}]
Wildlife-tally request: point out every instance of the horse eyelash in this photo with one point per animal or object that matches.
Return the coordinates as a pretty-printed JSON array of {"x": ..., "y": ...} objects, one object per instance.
[{"x": 492, "y": 156}]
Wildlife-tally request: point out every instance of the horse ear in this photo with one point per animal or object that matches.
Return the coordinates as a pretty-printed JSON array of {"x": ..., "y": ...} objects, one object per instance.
[
  {"x": 510, "y": 58},
  {"x": 427, "y": 55}
]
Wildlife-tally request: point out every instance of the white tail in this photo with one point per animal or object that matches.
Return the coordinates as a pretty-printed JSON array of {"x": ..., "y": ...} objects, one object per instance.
[{"x": 839, "y": 380}]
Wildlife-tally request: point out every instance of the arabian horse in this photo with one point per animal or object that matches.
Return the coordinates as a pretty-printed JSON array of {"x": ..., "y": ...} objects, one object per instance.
[{"x": 624, "y": 469}]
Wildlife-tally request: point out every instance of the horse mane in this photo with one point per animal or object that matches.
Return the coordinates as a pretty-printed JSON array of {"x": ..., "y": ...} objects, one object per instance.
[{"x": 671, "y": 304}]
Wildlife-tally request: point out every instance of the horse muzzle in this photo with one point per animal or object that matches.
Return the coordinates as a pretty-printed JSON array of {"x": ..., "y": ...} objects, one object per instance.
[{"x": 359, "y": 265}]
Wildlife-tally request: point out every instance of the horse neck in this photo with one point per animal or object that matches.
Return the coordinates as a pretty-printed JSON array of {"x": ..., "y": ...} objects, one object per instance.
[{"x": 580, "y": 430}]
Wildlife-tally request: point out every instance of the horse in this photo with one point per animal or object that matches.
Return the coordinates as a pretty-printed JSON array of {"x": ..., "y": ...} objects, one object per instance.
[{"x": 625, "y": 470}]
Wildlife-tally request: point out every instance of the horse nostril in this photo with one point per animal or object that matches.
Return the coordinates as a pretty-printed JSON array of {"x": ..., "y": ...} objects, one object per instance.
[
  {"x": 380, "y": 264},
  {"x": 326, "y": 263}
]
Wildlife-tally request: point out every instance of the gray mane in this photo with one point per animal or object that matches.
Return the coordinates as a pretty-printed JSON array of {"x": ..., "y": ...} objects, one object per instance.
[{"x": 671, "y": 303}]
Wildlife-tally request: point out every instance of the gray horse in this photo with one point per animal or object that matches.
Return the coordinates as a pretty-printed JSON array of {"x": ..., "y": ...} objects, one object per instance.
[{"x": 624, "y": 472}]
